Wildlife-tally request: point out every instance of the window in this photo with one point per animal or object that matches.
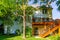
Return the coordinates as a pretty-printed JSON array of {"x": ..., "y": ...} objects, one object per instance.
[
  {"x": 44, "y": 11},
  {"x": 43, "y": 20},
  {"x": 47, "y": 19}
]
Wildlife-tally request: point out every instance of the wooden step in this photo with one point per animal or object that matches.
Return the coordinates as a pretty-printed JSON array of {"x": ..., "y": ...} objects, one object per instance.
[{"x": 48, "y": 32}]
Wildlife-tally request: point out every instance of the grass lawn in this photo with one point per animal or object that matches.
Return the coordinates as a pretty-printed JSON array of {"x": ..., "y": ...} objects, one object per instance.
[
  {"x": 11, "y": 37},
  {"x": 6, "y": 37}
]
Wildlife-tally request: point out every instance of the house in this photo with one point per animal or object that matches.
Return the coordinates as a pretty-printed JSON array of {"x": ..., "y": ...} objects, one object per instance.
[
  {"x": 10, "y": 29},
  {"x": 43, "y": 24}
]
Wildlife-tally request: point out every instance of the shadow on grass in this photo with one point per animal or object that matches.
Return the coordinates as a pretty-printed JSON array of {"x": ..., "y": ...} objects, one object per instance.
[
  {"x": 58, "y": 38},
  {"x": 5, "y": 37}
]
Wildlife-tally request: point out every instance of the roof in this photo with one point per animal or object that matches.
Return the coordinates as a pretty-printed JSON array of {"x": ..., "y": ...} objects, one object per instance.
[{"x": 45, "y": 7}]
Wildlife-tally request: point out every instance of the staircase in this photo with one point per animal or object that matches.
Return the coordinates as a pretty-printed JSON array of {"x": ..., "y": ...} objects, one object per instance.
[{"x": 50, "y": 31}]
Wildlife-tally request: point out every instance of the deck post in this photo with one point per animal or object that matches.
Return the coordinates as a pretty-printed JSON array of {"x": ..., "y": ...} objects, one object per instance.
[
  {"x": 59, "y": 30},
  {"x": 32, "y": 31}
]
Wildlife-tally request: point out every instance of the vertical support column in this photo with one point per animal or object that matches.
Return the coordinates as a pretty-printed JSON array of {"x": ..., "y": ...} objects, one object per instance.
[
  {"x": 32, "y": 31},
  {"x": 41, "y": 19},
  {"x": 48, "y": 14},
  {"x": 59, "y": 30},
  {"x": 49, "y": 28},
  {"x": 39, "y": 32},
  {"x": 45, "y": 26}
]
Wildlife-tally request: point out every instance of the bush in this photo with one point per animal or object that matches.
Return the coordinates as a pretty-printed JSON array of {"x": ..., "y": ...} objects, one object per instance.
[
  {"x": 28, "y": 31},
  {"x": 56, "y": 37},
  {"x": 18, "y": 32}
]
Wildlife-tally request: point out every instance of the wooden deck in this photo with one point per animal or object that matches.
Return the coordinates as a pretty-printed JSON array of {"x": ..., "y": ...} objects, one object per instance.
[
  {"x": 50, "y": 26},
  {"x": 33, "y": 23}
]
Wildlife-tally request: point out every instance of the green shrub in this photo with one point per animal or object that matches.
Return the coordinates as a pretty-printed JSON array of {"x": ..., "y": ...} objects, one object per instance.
[
  {"x": 28, "y": 31},
  {"x": 18, "y": 32},
  {"x": 57, "y": 37}
]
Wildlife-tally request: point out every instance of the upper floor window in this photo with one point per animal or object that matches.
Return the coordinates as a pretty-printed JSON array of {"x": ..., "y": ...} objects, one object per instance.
[
  {"x": 44, "y": 11},
  {"x": 47, "y": 19}
]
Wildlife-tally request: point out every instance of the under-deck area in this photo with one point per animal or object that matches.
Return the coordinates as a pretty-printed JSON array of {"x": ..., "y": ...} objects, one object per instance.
[{"x": 43, "y": 29}]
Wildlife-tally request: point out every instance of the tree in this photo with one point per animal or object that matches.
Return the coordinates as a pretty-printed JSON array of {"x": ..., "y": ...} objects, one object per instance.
[
  {"x": 47, "y": 2},
  {"x": 58, "y": 4},
  {"x": 7, "y": 11},
  {"x": 25, "y": 10},
  {"x": 22, "y": 6}
]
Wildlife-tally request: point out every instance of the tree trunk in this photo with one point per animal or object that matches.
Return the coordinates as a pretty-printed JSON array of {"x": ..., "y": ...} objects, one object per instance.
[{"x": 24, "y": 23}]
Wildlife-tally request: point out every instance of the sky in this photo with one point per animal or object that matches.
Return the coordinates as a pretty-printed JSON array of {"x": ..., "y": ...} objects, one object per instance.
[{"x": 55, "y": 12}]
